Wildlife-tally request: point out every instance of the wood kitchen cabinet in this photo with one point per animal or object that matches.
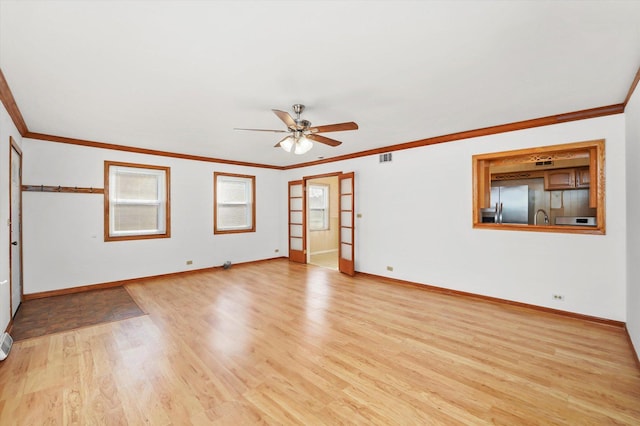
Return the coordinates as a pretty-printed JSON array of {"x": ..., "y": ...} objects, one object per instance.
[
  {"x": 567, "y": 179},
  {"x": 583, "y": 177}
]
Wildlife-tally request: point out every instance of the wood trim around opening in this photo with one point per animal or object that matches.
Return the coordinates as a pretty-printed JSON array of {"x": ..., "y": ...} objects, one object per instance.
[
  {"x": 251, "y": 178},
  {"x": 167, "y": 233},
  {"x": 482, "y": 185}
]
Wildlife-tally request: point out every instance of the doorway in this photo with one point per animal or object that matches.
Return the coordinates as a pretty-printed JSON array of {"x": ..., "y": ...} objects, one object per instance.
[
  {"x": 298, "y": 218},
  {"x": 15, "y": 220},
  {"x": 323, "y": 222}
]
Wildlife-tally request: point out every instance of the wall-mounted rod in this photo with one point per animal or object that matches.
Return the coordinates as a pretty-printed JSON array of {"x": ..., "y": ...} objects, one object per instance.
[{"x": 73, "y": 189}]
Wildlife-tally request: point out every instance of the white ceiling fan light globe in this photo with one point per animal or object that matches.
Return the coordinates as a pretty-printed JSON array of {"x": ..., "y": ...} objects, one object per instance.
[
  {"x": 287, "y": 144},
  {"x": 303, "y": 145}
]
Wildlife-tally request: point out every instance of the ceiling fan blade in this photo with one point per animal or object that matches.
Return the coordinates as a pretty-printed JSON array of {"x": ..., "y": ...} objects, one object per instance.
[
  {"x": 334, "y": 127},
  {"x": 263, "y": 130},
  {"x": 286, "y": 118},
  {"x": 323, "y": 139}
]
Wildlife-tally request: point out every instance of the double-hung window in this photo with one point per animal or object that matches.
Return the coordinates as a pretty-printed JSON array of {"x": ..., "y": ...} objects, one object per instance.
[
  {"x": 234, "y": 203},
  {"x": 136, "y": 201},
  {"x": 318, "y": 196}
]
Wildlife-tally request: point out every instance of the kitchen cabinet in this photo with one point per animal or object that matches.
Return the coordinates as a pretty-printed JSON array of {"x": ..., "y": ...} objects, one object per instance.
[
  {"x": 567, "y": 179},
  {"x": 583, "y": 177}
]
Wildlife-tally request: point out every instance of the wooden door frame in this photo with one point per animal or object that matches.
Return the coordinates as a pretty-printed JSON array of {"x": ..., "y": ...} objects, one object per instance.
[
  {"x": 302, "y": 258},
  {"x": 13, "y": 146}
]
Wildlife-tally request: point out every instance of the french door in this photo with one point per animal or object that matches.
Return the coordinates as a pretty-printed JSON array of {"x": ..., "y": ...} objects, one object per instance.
[
  {"x": 346, "y": 250},
  {"x": 297, "y": 222},
  {"x": 297, "y": 211}
]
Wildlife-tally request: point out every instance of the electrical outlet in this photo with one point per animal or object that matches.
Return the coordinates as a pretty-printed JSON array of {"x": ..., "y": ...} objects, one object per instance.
[
  {"x": 557, "y": 297},
  {"x": 189, "y": 262},
  {"x": 390, "y": 268},
  {"x": 277, "y": 251}
]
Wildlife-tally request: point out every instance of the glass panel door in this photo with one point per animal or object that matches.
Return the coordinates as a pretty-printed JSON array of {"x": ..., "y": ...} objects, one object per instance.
[
  {"x": 347, "y": 207},
  {"x": 297, "y": 240}
]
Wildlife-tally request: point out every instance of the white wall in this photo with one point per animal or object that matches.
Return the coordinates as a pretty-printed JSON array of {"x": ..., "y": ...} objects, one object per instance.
[
  {"x": 416, "y": 217},
  {"x": 632, "y": 115},
  {"x": 63, "y": 233},
  {"x": 7, "y": 129}
]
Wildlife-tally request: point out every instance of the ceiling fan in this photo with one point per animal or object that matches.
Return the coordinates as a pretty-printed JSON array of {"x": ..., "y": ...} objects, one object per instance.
[{"x": 301, "y": 132}]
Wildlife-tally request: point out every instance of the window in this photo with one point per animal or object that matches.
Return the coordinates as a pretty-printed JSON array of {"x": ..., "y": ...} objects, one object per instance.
[
  {"x": 559, "y": 188},
  {"x": 234, "y": 202},
  {"x": 136, "y": 201},
  {"x": 318, "y": 196}
]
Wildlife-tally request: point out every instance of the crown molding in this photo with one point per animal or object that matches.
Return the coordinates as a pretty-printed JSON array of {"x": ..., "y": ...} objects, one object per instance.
[
  {"x": 485, "y": 131},
  {"x": 634, "y": 84},
  {"x": 104, "y": 145},
  {"x": 11, "y": 106}
]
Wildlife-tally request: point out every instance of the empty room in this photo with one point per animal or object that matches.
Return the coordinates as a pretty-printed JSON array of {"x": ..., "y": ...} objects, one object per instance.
[{"x": 319, "y": 212}]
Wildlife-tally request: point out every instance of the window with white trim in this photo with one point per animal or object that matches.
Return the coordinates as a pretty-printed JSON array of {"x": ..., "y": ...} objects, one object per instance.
[
  {"x": 318, "y": 199},
  {"x": 234, "y": 203},
  {"x": 136, "y": 201}
]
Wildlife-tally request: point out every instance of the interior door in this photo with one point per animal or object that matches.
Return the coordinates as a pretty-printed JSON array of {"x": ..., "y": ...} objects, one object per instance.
[
  {"x": 15, "y": 219},
  {"x": 297, "y": 235},
  {"x": 346, "y": 250}
]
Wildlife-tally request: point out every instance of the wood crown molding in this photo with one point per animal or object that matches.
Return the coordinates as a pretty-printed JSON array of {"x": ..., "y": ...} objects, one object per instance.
[
  {"x": 11, "y": 106},
  {"x": 485, "y": 131},
  {"x": 452, "y": 137},
  {"x": 104, "y": 145},
  {"x": 634, "y": 84}
]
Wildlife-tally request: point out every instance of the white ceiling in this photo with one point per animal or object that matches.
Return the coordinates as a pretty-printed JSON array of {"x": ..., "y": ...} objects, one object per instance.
[{"x": 180, "y": 75}]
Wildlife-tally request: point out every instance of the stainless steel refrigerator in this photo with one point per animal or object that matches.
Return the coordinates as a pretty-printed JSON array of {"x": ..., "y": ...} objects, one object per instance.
[{"x": 511, "y": 204}]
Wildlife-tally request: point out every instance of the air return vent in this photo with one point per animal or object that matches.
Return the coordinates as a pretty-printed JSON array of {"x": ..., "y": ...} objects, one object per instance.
[
  {"x": 385, "y": 158},
  {"x": 544, "y": 163},
  {"x": 5, "y": 345}
]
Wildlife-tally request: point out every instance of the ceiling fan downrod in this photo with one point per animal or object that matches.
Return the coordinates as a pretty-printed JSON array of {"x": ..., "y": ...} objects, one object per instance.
[{"x": 301, "y": 125}]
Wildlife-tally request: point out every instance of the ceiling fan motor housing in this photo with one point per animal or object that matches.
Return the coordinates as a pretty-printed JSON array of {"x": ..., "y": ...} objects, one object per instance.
[{"x": 303, "y": 124}]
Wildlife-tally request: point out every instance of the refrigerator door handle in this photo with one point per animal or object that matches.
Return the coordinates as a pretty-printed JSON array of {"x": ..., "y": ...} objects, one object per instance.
[
  {"x": 500, "y": 213},
  {"x": 496, "y": 217}
]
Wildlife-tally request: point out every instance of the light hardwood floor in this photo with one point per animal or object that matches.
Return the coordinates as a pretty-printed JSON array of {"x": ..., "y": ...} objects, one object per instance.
[
  {"x": 281, "y": 343},
  {"x": 326, "y": 260}
]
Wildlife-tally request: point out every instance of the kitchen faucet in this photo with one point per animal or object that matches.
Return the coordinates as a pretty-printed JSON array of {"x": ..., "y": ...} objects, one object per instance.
[{"x": 546, "y": 217}]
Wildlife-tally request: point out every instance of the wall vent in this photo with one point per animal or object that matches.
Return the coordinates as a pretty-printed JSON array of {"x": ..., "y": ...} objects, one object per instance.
[
  {"x": 385, "y": 158},
  {"x": 544, "y": 163}
]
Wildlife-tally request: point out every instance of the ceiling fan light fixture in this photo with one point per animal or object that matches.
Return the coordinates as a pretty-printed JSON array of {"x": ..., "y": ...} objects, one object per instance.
[
  {"x": 287, "y": 143},
  {"x": 303, "y": 145}
]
